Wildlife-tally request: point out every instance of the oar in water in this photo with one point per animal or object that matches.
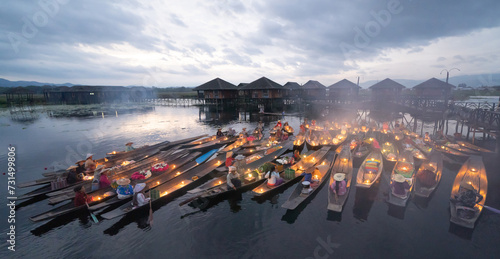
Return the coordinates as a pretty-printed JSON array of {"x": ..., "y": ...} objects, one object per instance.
[
  {"x": 92, "y": 214},
  {"x": 150, "y": 213},
  {"x": 490, "y": 208}
]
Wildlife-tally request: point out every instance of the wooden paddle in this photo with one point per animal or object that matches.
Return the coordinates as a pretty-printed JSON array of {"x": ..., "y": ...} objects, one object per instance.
[
  {"x": 150, "y": 220},
  {"x": 94, "y": 218},
  {"x": 490, "y": 208}
]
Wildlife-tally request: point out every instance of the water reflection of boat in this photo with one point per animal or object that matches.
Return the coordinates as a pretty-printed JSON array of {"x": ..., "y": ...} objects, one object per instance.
[
  {"x": 471, "y": 175},
  {"x": 363, "y": 201}
]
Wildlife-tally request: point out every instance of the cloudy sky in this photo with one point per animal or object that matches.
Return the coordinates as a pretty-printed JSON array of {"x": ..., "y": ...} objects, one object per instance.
[{"x": 173, "y": 43}]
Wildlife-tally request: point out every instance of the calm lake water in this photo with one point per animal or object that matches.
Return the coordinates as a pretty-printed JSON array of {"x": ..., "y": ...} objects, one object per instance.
[{"x": 240, "y": 227}]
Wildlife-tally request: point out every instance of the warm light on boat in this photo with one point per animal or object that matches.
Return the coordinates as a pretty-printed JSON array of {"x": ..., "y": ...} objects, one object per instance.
[
  {"x": 178, "y": 173},
  {"x": 114, "y": 152},
  {"x": 344, "y": 159},
  {"x": 106, "y": 160},
  {"x": 173, "y": 166},
  {"x": 261, "y": 190},
  {"x": 220, "y": 182},
  {"x": 98, "y": 198},
  {"x": 182, "y": 183},
  {"x": 158, "y": 182},
  {"x": 473, "y": 169},
  {"x": 387, "y": 143},
  {"x": 323, "y": 163}
]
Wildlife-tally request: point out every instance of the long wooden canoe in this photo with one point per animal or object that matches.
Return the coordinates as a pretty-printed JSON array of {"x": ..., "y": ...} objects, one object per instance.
[
  {"x": 369, "y": 172},
  {"x": 390, "y": 153},
  {"x": 298, "y": 196},
  {"x": 405, "y": 166},
  {"x": 429, "y": 175},
  {"x": 299, "y": 142},
  {"x": 343, "y": 164},
  {"x": 304, "y": 165},
  {"x": 473, "y": 147},
  {"x": 473, "y": 173}
]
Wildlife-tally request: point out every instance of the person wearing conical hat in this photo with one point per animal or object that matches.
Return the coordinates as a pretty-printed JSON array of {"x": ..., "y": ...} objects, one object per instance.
[
  {"x": 229, "y": 159},
  {"x": 124, "y": 189},
  {"x": 399, "y": 185},
  {"x": 89, "y": 163},
  {"x": 129, "y": 147},
  {"x": 233, "y": 179},
  {"x": 219, "y": 132},
  {"x": 72, "y": 175},
  {"x": 139, "y": 196},
  {"x": 339, "y": 185},
  {"x": 468, "y": 196}
]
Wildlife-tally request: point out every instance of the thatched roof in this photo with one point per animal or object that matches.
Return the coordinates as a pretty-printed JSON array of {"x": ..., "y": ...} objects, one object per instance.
[
  {"x": 434, "y": 83},
  {"x": 291, "y": 85},
  {"x": 344, "y": 84},
  {"x": 216, "y": 84},
  {"x": 387, "y": 84},
  {"x": 262, "y": 83},
  {"x": 312, "y": 84}
]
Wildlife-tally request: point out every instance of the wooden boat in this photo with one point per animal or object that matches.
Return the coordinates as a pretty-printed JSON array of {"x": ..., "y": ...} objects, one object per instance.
[
  {"x": 405, "y": 167},
  {"x": 298, "y": 143},
  {"x": 288, "y": 129},
  {"x": 463, "y": 149},
  {"x": 250, "y": 176},
  {"x": 371, "y": 169},
  {"x": 184, "y": 182},
  {"x": 473, "y": 147},
  {"x": 201, "y": 141},
  {"x": 359, "y": 154},
  {"x": 426, "y": 148},
  {"x": 218, "y": 142},
  {"x": 250, "y": 151},
  {"x": 473, "y": 173},
  {"x": 306, "y": 164},
  {"x": 255, "y": 143},
  {"x": 390, "y": 153},
  {"x": 311, "y": 143},
  {"x": 429, "y": 175},
  {"x": 343, "y": 165},
  {"x": 452, "y": 153},
  {"x": 299, "y": 195},
  {"x": 237, "y": 144},
  {"x": 41, "y": 181},
  {"x": 325, "y": 139}
]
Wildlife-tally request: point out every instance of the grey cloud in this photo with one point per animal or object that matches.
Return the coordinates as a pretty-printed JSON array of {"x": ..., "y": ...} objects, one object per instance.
[{"x": 440, "y": 59}]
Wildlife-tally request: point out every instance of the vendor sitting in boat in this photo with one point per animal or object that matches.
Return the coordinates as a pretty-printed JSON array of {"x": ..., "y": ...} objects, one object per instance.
[
  {"x": 273, "y": 177},
  {"x": 260, "y": 125},
  {"x": 302, "y": 129},
  {"x": 97, "y": 177},
  {"x": 244, "y": 132},
  {"x": 129, "y": 147},
  {"x": 124, "y": 189},
  {"x": 219, "y": 132},
  {"x": 278, "y": 125},
  {"x": 90, "y": 164},
  {"x": 81, "y": 196},
  {"x": 103, "y": 179},
  {"x": 399, "y": 185},
  {"x": 427, "y": 178},
  {"x": 231, "y": 132},
  {"x": 233, "y": 179},
  {"x": 139, "y": 196},
  {"x": 285, "y": 136},
  {"x": 229, "y": 159},
  {"x": 296, "y": 155},
  {"x": 339, "y": 185},
  {"x": 73, "y": 175},
  {"x": 467, "y": 196}
]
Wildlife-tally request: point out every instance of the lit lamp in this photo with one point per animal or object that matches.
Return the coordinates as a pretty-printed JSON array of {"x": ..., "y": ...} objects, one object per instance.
[{"x": 250, "y": 177}]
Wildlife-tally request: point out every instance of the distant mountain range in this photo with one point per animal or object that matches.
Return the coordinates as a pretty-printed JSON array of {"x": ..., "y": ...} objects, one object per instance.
[
  {"x": 469, "y": 80},
  {"x": 8, "y": 83}
]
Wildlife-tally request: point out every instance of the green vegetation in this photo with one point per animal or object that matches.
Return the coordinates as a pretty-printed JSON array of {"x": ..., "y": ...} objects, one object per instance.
[{"x": 175, "y": 92}]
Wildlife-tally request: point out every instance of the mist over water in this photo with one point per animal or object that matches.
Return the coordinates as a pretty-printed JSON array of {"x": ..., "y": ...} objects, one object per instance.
[{"x": 239, "y": 227}]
